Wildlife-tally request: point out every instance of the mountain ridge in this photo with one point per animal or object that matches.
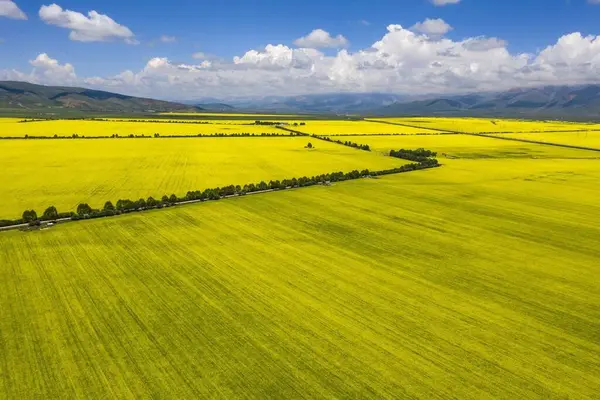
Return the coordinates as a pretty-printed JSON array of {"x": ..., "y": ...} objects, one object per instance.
[{"x": 27, "y": 96}]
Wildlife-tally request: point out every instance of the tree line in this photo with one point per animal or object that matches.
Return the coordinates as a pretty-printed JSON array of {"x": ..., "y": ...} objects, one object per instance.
[
  {"x": 155, "y": 135},
  {"x": 275, "y": 123},
  {"x": 347, "y": 143},
  {"x": 85, "y": 211}
]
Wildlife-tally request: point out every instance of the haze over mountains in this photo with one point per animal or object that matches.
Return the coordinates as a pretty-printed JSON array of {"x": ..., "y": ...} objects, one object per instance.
[{"x": 543, "y": 102}]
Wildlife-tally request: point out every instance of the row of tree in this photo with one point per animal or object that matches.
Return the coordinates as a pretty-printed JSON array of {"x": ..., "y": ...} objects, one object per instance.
[
  {"x": 348, "y": 143},
  {"x": 85, "y": 211},
  {"x": 277, "y": 123},
  {"x": 156, "y": 135}
]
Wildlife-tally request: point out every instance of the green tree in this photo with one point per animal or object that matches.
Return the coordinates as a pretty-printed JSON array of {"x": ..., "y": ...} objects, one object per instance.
[
  {"x": 50, "y": 213},
  {"x": 173, "y": 199},
  {"x": 108, "y": 206},
  {"x": 29, "y": 216},
  {"x": 151, "y": 202},
  {"x": 83, "y": 209}
]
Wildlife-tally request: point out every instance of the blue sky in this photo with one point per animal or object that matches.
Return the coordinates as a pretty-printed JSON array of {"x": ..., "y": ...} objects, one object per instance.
[{"x": 225, "y": 29}]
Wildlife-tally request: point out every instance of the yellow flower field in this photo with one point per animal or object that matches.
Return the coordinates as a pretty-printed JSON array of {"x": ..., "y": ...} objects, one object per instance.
[
  {"x": 333, "y": 127},
  {"x": 123, "y": 128},
  {"x": 450, "y": 147},
  {"x": 585, "y": 139},
  {"x": 476, "y": 280},
  {"x": 40, "y": 173},
  {"x": 483, "y": 125}
]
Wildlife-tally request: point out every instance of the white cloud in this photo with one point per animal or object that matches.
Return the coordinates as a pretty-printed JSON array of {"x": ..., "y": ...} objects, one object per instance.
[
  {"x": 401, "y": 61},
  {"x": 168, "y": 39},
  {"x": 45, "y": 70},
  {"x": 199, "y": 55},
  {"x": 94, "y": 27},
  {"x": 319, "y": 38},
  {"x": 9, "y": 9},
  {"x": 49, "y": 70},
  {"x": 432, "y": 27},
  {"x": 279, "y": 57},
  {"x": 440, "y": 3},
  {"x": 593, "y": 1},
  {"x": 482, "y": 43}
]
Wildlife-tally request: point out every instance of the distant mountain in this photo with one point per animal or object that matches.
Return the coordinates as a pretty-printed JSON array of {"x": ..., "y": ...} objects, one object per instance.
[
  {"x": 543, "y": 102},
  {"x": 215, "y": 107},
  {"x": 30, "y": 97},
  {"x": 334, "y": 103}
]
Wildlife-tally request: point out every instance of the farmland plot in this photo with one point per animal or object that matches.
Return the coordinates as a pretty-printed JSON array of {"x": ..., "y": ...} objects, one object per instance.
[
  {"x": 64, "y": 173},
  {"x": 474, "y": 280}
]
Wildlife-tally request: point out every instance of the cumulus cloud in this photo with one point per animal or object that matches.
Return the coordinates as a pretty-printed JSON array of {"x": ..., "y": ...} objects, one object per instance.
[
  {"x": 432, "y": 27},
  {"x": 45, "y": 70},
  {"x": 440, "y": 3},
  {"x": 49, "y": 70},
  {"x": 9, "y": 9},
  {"x": 279, "y": 57},
  {"x": 94, "y": 27},
  {"x": 401, "y": 61},
  {"x": 319, "y": 38}
]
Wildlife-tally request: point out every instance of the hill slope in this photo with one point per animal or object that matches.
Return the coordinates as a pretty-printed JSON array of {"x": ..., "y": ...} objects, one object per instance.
[{"x": 28, "y": 96}]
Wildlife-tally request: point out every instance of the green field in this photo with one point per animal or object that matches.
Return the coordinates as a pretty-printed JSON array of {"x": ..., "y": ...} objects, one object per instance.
[
  {"x": 474, "y": 280},
  {"x": 64, "y": 173}
]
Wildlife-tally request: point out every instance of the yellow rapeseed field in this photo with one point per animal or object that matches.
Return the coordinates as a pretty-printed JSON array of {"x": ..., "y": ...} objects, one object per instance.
[
  {"x": 40, "y": 173},
  {"x": 457, "y": 146},
  {"x": 476, "y": 125},
  {"x": 585, "y": 139},
  {"x": 249, "y": 115},
  {"x": 331, "y": 128},
  {"x": 476, "y": 280},
  {"x": 124, "y": 128}
]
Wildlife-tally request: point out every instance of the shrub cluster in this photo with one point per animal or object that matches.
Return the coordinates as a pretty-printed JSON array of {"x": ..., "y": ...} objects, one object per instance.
[{"x": 419, "y": 155}]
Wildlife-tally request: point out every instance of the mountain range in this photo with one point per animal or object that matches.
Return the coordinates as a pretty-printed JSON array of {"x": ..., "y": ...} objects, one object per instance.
[
  {"x": 27, "y": 97},
  {"x": 542, "y": 102},
  {"x": 563, "y": 102}
]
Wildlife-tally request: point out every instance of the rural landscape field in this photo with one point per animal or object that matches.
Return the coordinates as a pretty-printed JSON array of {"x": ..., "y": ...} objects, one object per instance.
[
  {"x": 322, "y": 199},
  {"x": 475, "y": 279}
]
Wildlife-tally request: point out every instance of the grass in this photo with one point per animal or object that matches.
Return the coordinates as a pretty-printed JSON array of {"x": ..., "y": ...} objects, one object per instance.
[
  {"x": 475, "y": 280},
  {"x": 482, "y": 125},
  {"x": 64, "y": 173},
  {"x": 585, "y": 139},
  {"x": 123, "y": 128}
]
